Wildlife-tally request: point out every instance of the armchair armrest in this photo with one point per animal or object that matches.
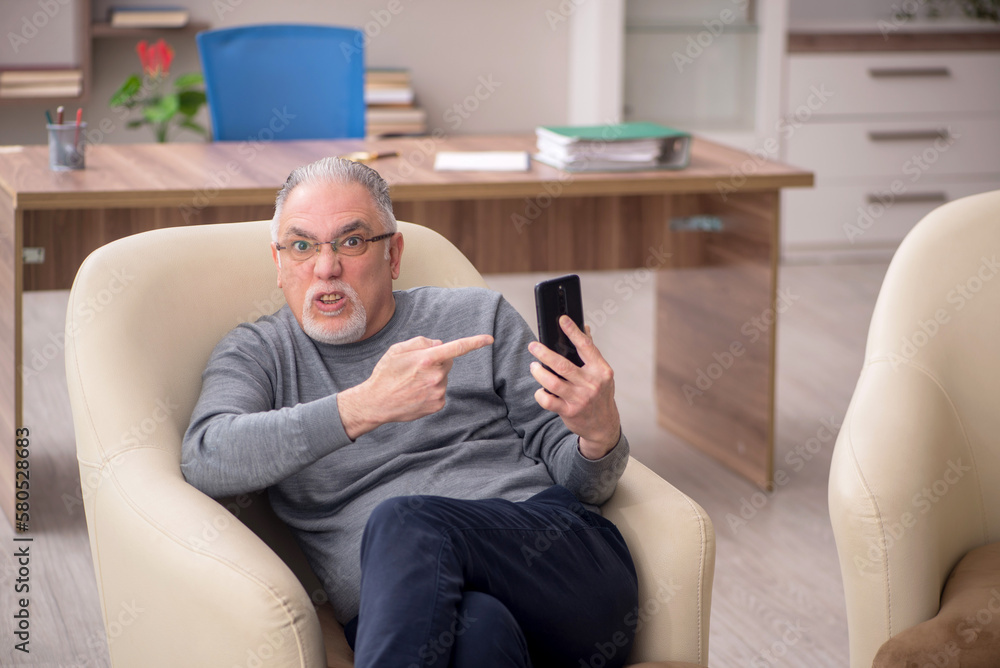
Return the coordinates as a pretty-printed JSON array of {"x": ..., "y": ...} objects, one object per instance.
[
  {"x": 905, "y": 502},
  {"x": 672, "y": 542},
  {"x": 184, "y": 582}
]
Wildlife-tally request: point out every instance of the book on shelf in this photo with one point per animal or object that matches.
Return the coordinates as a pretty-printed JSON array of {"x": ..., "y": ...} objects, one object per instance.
[
  {"x": 392, "y": 76},
  {"x": 29, "y": 83},
  {"x": 378, "y": 94},
  {"x": 629, "y": 146},
  {"x": 395, "y": 115},
  {"x": 148, "y": 17},
  {"x": 51, "y": 90},
  {"x": 389, "y": 99},
  {"x": 388, "y": 86},
  {"x": 31, "y": 77}
]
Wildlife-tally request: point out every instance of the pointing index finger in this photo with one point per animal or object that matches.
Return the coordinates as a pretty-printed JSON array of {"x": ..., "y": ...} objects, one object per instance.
[{"x": 459, "y": 347}]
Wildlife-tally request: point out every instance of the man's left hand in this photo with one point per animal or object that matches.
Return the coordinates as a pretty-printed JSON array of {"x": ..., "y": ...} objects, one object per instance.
[{"x": 585, "y": 400}]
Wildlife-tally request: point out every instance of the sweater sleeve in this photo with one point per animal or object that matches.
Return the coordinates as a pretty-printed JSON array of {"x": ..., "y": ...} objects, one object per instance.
[
  {"x": 544, "y": 435},
  {"x": 237, "y": 441}
]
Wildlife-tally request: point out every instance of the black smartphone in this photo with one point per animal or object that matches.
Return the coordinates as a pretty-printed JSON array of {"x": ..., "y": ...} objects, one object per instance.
[{"x": 554, "y": 298}]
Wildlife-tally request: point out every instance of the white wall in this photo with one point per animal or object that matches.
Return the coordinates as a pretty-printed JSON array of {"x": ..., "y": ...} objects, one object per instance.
[{"x": 448, "y": 46}]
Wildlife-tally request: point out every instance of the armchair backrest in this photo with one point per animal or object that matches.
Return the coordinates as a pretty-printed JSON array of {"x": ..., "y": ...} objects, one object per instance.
[
  {"x": 915, "y": 478},
  {"x": 283, "y": 82}
]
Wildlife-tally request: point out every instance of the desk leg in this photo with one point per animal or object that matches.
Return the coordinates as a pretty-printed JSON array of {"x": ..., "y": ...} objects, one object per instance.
[
  {"x": 10, "y": 347},
  {"x": 715, "y": 335}
]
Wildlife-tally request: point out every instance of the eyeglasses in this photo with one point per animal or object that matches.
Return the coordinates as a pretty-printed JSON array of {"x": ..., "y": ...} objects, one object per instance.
[{"x": 355, "y": 244}]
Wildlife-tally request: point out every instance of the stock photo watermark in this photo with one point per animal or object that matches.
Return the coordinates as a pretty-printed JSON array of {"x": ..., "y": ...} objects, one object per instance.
[
  {"x": 786, "y": 126},
  {"x": 921, "y": 504},
  {"x": 770, "y": 655},
  {"x": 38, "y": 359},
  {"x": 31, "y": 26},
  {"x": 959, "y": 296},
  {"x": 714, "y": 28},
  {"x": 634, "y": 620},
  {"x": 535, "y": 206},
  {"x": 426, "y": 147},
  {"x": 723, "y": 360},
  {"x": 882, "y": 201},
  {"x": 629, "y": 286},
  {"x": 247, "y": 150},
  {"x": 796, "y": 459},
  {"x": 559, "y": 15}
]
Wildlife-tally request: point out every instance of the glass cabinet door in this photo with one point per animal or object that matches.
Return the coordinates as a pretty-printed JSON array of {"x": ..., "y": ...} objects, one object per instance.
[{"x": 691, "y": 64}]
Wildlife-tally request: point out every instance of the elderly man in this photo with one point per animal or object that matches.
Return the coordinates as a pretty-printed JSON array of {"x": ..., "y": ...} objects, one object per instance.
[{"x": 446, "y": 501}]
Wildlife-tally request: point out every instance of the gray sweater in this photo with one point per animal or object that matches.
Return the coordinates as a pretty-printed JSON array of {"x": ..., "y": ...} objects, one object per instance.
[{"x": 268, "y": 418}]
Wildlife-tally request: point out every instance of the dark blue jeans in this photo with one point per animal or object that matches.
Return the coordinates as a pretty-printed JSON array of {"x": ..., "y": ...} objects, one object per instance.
[{"x": 447, "y": 582}]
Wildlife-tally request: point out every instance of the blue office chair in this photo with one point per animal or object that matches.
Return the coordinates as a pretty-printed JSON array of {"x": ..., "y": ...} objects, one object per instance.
[{"x": 284, "y": 82}]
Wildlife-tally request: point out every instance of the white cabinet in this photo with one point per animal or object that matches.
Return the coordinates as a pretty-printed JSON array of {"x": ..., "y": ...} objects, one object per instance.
[{"x": 890, "y": 136}]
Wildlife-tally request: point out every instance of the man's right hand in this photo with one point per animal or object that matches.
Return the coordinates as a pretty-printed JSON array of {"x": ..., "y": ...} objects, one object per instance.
[{"x": 409, "y": 382}]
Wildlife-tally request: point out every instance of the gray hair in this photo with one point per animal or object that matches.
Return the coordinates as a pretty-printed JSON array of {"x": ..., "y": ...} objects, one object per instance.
[{"x": 338, "y": 171}]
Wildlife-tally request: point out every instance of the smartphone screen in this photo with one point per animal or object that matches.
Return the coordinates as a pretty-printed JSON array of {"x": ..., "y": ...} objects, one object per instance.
[{"x": 554, "y": 298}]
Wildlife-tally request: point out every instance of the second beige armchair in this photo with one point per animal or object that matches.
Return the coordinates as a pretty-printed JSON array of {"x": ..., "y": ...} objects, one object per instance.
[{"x": 915, "y": 477}]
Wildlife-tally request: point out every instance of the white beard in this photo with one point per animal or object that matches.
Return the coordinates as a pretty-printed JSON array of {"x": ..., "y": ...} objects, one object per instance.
[{"x": 315, "y": 323}]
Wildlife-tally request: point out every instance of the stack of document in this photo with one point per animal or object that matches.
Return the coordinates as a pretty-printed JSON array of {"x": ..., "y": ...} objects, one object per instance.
[
  {"x": 482, "y": 161},
  {"x": 619, "y": 147}
]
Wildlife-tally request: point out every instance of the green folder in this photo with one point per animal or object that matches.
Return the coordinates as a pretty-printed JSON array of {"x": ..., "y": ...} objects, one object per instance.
[
  {"x": 613, "y": 132},
  {"x": 632, "y": 146}
]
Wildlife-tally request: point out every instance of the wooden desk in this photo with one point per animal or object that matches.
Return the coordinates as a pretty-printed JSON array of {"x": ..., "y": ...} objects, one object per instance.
[{"x": 715, "y": 386}]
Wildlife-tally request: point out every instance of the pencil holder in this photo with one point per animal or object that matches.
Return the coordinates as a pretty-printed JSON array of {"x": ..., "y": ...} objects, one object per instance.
[{"x": 66, "y": 146}]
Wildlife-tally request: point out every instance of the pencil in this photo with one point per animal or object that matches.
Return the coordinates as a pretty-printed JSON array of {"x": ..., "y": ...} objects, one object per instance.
[{"x": 76, "y": 134}]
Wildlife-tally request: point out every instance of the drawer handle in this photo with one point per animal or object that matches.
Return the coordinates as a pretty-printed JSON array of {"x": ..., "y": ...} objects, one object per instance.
[
  {"x": 897, "y": 72},
  {"x": 909, "y": 198},
  {"x": 910, "y": 135}
]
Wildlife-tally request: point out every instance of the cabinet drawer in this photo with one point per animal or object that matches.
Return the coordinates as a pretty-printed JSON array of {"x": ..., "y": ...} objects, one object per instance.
[
  {"x": 820, "y": 85},
  {"x": 906, "y": 149},
  {"x": 838, "y": 217}
]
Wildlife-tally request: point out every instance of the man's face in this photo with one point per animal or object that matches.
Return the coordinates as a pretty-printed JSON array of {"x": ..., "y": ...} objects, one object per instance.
[{"x": 336, "y": 298}]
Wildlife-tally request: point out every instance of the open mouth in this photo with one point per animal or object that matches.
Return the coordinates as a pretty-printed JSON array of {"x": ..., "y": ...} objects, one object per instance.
[{"x": 331, "y": 302}]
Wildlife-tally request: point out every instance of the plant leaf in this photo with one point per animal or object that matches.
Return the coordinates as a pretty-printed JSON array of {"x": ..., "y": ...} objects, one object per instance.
[
  {"x": 163, "y": 110},
  {"x": 124, "y": 94},
  {"x": 188, "y": 80},
  {"x": 133, "y": 124},
  {"x": 191, "y": 125},
  {"x": 190, "y": 101}
]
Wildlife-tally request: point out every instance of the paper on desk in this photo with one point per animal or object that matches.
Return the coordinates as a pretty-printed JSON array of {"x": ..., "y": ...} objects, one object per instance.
[{"x": 482, "y": 161}]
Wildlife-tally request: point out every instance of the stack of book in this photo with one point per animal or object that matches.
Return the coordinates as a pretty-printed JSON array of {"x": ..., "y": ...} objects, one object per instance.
[
  {"x": 41, "y": 83},
  {"x": 389, "y": 98},
  {"x": 619, "y": 147},
  {"x": 148, "y": 17}
]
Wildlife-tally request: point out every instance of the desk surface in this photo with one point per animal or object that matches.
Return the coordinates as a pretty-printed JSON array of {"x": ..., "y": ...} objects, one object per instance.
[{"x": 250, "y": 173}]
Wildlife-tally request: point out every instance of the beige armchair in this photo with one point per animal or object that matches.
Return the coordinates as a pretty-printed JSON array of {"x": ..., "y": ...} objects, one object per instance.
[
  {"x": 186, "y": 580},
  {"x": 915, "y": 477}
]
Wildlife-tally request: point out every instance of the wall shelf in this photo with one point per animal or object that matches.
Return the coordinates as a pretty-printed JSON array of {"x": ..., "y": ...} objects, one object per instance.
[{"x": 104, "y": 30}]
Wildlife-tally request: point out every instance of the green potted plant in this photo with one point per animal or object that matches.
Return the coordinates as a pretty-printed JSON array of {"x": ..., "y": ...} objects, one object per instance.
[
  {"x": 981, "y": 10},
  {"x": 161, "y": 106}
]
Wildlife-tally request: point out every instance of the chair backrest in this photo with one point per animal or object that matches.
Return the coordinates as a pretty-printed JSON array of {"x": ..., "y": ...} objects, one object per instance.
[
  {"x": 283, "y": 82},
  {"x": 915, "y": 477},
  {"x": 935, "y": 331}
]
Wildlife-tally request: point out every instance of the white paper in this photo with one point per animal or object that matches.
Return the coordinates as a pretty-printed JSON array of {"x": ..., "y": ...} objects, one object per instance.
[{"x": 482, "y": 161}]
